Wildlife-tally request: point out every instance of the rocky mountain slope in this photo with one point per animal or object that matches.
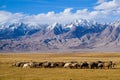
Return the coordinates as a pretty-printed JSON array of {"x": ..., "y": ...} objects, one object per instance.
[{"x": 79, "y": 35}]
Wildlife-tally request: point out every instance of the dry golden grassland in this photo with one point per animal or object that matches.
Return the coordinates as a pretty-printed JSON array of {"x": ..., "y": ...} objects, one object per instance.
[{"x": 7, "y": 72}]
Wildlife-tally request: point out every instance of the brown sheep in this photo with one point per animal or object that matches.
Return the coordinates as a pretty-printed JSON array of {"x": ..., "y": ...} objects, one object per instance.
[{"x": 108, "y": 64}]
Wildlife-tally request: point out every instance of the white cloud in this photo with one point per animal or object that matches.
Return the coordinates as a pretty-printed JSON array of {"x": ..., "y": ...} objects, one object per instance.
[
  {"x": 111, "y": 5},
  {"x": 67, "y": 11},
  {"x": 4, "y": 16},
  {"x": 7, "y": 17},
  {"x": 101, "y": 1},
  {"x": 106, "y": 11},
  {"x": 109, "y": 9}
]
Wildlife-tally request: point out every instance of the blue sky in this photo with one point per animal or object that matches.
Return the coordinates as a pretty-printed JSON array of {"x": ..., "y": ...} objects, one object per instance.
[
  {"x": 44, "y": 6},
  {"x": 62, "y": 11}
]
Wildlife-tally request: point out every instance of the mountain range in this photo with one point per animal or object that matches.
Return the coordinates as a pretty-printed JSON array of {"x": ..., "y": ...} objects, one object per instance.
[{"x": 79, "y": 35}]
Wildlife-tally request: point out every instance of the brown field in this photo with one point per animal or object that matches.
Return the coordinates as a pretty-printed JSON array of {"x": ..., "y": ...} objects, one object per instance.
[{"x": 7, "y": 72}]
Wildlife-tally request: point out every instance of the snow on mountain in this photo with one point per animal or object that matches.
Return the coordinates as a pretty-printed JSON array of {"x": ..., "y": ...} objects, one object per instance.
[
  {"x": 51, "y": 27},
  {"x": 80, "y": 34},
  {"x": 84, "y": 22},
  {"x": 16, "y": 30}
]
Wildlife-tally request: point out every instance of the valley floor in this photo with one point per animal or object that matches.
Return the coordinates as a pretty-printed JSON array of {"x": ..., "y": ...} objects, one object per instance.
[{"x": 7, "y": 72}]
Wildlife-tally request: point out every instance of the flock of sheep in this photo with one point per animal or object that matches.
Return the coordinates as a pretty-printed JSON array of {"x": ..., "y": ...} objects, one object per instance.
[{"x": 72, "y": 64}]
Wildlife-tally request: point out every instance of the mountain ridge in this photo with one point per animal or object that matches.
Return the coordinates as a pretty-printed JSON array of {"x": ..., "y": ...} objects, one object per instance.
[{"x": 78, "y": 35}]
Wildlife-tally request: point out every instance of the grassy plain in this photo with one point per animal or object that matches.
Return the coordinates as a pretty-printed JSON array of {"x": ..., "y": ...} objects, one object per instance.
[{"x": 7, "y": 72}]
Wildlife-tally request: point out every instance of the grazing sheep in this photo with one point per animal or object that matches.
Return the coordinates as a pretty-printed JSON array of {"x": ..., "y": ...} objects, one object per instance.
[
  {"x": 108, "y": 64},
  {"x": 26, "y": 65},
  {"x": 61, "y": 64},
  {"x": 18, "y": 64},
  {"x": 113, "y": 65},
  {"x": 53, "y": 65},
  {"x": 84, "y": 65},
  {"x": 46, "y": 64},
  {"x": 72, "y": 64},
  {"x": 39, "y": 64},
  {"x": 67, "y": 65},
  {"x": 93, "y": 65},
  {"x": 100, "y": 65}
]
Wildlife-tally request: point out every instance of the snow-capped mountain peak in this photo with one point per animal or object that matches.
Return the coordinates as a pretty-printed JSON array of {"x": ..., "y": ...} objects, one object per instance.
[
  {"x": 82, "y": 23},
  {"x": 80, "y": 34},
  {"x": 51, "y": 27}
]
